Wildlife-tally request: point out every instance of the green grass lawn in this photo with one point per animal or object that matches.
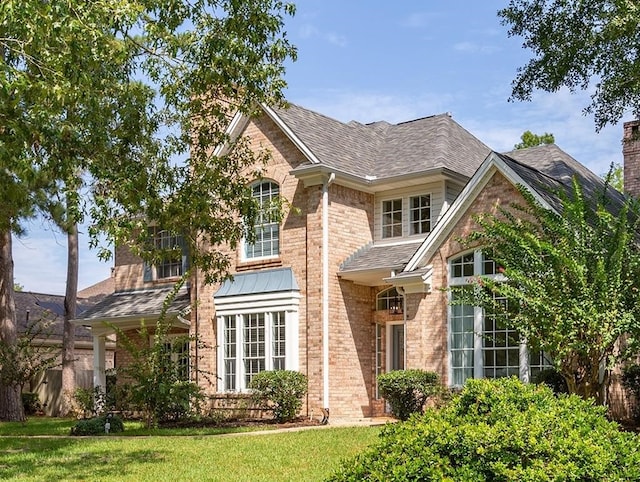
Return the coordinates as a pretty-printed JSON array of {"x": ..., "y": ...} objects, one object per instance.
[{"x": 296, "y": 456}]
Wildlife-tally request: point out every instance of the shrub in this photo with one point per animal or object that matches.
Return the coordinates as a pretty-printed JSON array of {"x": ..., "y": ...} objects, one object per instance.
[
  {"x": 280, "y": 391},
  {"x": 407, "y": 391},
  {"x": 31, "y": 403},
  {"x": 88, "y": 400},
  {"x": 553, "y": 379},
  {"x": 502, "y": 430},
  {"x": 631, "y": 383},
  {"x": 96, "y": 425}
]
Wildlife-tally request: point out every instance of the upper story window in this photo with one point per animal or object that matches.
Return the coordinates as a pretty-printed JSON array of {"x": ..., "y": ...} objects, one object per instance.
[
  {"x": 392, "y": 218},
  {"x": 267, "y": 228},
  {"x": 420, "y": 214},
  {"x": 174, "y": 260},
  {"x": 407, "y": 216}
]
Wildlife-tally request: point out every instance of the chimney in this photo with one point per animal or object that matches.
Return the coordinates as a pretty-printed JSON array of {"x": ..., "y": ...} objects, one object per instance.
[{"x": 631, "y": 157}]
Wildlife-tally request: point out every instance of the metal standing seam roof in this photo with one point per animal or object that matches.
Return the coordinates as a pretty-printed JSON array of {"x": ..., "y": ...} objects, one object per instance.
[
  {"x": 255, "y": 282},
  {"x": 385, "y": 150}
]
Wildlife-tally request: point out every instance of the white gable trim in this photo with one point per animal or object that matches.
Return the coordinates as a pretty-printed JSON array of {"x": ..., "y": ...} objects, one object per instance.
[
  {"x": 235, "y": 127},
  {"x": 290, "y": 134},
  {"x": 492, "y": 164}
]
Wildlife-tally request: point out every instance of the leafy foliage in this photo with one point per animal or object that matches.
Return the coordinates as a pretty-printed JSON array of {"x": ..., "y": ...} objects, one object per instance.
[
  {"x": 280, "y": 391},
  {"x": 31, "y": 403},
  {"x": 570, "y": 281},
  {"x": 96, "y": 425},
  {"x": 501, "y": 430},
  {"x": 529, "y": 139},
  {"x": 407, "y": 391},
  {"x": 114, "y": 109},
  {"x": 574, "y": 42}
]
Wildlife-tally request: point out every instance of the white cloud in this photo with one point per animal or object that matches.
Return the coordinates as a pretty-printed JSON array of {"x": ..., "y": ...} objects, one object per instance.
[
  {"x": 308, "y": 31},
  {"x": 417, "y": 20},
  {"x": 475, "y": 48}
]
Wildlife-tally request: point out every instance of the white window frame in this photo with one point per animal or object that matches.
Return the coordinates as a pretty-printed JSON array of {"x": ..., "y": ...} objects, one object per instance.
[
  {"x": 165, "y": 239},
  {"x": 389, "y": 220},
  {"x": 466, "y": 278},
  {"x": 263, "y": 225},
  {"x": 271, "y": 306},
  {"x": 170, "y": 339},
  {"x": 418, "y": 222}
]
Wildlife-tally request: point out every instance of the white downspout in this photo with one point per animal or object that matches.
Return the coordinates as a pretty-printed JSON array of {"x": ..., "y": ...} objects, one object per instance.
[
  {"x": 325, "y": 295},
  {"x": 402, "y": 293}
]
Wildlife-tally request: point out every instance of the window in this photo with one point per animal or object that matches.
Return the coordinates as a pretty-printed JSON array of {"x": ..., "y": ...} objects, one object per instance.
[
  {"x": 480, "y": 344},
  {"x": 267, "y": 229},
  {"x": 174, "y": 261},
  {"x": 389, "y": 300},
  {"x": 420, "y": 214},
  {"x": 254, "y": 342},
  {"x": 176, "y": 356},
  {"x": 392, "y": 218}
]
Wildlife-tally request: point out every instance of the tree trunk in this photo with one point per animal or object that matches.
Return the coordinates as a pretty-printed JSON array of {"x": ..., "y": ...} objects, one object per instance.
[
  {"x": 68, "y": 335},
  {"x": 11, "y": 408}
]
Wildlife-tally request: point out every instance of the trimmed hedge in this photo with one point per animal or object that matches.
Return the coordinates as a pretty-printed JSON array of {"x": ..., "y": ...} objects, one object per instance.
[
  {"x": 502, "y": 430},
  {"x": 95, "y": 426},
  {"x": 280, "y": 391},
  {"x": 407, "y": 391}
]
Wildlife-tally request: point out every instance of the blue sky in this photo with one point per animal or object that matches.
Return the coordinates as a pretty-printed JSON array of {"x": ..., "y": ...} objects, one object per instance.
[{"x": 396, "y": 61}]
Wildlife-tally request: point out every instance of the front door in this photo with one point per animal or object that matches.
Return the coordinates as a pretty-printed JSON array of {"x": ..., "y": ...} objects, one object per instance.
[{"x": 397, "y": 347}]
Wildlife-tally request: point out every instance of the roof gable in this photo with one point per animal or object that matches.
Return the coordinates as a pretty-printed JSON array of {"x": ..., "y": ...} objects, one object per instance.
[{"x": 542, "y": 170}]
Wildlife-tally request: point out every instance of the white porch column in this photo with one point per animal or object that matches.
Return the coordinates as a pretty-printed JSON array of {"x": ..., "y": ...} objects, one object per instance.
[{"x": 99, "y": 376}]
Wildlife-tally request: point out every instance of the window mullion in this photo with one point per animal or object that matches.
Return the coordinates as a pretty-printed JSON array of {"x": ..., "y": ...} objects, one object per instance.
[
  {"x": 240, "y": 352},
  {"x": 268, "y": 341}
]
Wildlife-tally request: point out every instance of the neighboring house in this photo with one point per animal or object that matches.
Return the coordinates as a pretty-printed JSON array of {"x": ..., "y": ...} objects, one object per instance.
[
  {"x": 42, "y": 316},
  {"x": 350, "y": 284}
]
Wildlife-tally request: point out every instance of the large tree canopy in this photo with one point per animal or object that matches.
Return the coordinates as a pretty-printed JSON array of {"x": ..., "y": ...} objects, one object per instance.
[
  {"x": 568, "y": 283},
  {"x": 576, "y": 42},
  {"x": 119, "y": 105}
]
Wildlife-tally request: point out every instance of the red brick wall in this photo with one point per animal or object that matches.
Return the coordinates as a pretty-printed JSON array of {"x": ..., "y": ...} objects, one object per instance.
[{"x": 631, "y": 154}]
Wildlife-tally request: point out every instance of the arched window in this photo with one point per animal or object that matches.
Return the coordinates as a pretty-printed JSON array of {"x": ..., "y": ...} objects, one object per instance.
[
  {"x": 480, "y": 343},
  {"x": 267, "y": 228},
  {"x": 389, "y": 300}
]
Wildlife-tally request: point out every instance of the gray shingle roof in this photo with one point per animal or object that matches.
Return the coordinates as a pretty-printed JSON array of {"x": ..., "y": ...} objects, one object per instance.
[
  {"x": 394, "y": 256},
  {"x": 131, "y": 304},
  {"x": 548, "y": 169},
  {"x": 46, "y": 309},
  {"x": 383, "y": 150}
]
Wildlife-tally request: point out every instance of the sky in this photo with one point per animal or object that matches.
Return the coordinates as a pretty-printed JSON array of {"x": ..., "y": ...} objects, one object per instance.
[{"x": 373, "y": 60}]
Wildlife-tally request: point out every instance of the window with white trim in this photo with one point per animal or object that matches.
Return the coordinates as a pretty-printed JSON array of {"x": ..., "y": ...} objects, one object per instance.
[
  {"x": 175, "y": 350},
  {"x": 480, "y": 343},
  {"x": 420, "y": 214},
  {"x": 266, "y": 227},
  {"x": 392, "y": 218},
  {"x": 174, "y": 261},
  {"x": 389, "y": 300},
  {"x": 254, "y": 342}
]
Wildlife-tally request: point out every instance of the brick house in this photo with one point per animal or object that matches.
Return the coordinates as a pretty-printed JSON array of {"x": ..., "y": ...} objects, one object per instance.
[{"x": 349, "y": 285}]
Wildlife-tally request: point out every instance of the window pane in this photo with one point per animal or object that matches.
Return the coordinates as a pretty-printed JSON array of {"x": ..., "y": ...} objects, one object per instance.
[
  {"x": 267, "y": 242},
  {"x": 392, "y": 218},
  {"x": 420, "y": 214},
  {"x": 254, "y": 348},
  {"x": 230, "y": 360}
]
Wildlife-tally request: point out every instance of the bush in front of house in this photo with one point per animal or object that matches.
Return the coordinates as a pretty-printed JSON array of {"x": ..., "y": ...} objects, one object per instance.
[
  {"x": 280, "y": 391},
  {"x": 407, "y": 391},
  {"x": 31, "y": 403},
  {"x": 96, "y": 425},
  {"x": 502, "y": 430},
  {"x": 553, "y": 379}
]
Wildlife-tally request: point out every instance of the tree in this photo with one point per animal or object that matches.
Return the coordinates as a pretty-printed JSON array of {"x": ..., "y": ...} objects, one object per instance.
[
  {"x": 118, "y": 105},
  {"x": 568, "y": 284},
  {"x": 615, "y": 177},
  {"x": 529, "y": 139},
  {"x": 575, "y": 42}
]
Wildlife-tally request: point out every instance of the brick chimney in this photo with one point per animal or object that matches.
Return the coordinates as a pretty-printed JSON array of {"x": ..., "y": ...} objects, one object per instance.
[{"x": 631, "y": 156}]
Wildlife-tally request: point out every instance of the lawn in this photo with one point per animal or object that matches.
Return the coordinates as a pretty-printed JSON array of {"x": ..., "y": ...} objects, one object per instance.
[{"x": 297, "y": 455}]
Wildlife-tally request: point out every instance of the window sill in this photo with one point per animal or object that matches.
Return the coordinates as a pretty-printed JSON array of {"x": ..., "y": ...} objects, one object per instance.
[{"x": 259, "y": 263}]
